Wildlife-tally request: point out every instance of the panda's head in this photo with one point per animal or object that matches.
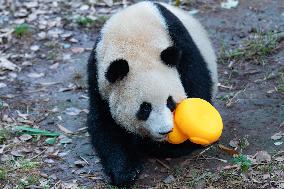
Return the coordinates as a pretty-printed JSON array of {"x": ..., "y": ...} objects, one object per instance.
[
  {"x": 142, "y": 94},
  {"x": 137, "y": 71}
]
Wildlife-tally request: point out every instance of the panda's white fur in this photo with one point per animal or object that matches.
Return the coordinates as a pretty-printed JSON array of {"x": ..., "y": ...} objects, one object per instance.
[{"x": 138, "y": 34}]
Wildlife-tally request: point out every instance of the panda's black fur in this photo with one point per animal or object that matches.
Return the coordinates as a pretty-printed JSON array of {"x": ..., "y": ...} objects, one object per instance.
[{"x": 121, "y": 152}]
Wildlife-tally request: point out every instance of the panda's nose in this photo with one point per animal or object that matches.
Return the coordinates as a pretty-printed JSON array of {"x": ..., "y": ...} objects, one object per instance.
[{"x": 165, "y": 133}]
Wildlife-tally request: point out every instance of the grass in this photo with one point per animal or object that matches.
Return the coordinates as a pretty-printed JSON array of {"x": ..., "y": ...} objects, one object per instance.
[
  {"x": 254, "y": 49},
  {"x": 21, "y": 30},
  {"x": 84, "y": 21},
  {"x": 4, "y": 134},
  {"x": 26, "y": 164},
  {"x": 280, "y": 86},
  {"x": 3, "y": 174}
]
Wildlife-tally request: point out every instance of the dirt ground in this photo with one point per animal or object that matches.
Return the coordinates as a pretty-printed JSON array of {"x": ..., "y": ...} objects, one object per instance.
[{"x": 43, "y": 85}]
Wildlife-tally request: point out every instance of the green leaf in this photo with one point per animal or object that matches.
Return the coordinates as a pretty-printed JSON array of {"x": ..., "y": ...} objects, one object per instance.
[
  {"x": 34, "y": 131},
  {"x": 66, "y": 140},
  {"x": 51, "y": 141}
]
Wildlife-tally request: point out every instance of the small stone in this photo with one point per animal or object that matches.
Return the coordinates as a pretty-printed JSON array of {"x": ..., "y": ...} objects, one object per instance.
[
  {"x": 32, "y": 4},
  {"x": 84, "y": 7},
  {"x": 34, "y": 48},
  {"x": 42, "y": 35}
]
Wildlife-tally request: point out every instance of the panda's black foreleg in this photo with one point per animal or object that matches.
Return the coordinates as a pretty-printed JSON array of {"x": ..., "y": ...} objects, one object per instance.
[{"x": 115, "y": 148}]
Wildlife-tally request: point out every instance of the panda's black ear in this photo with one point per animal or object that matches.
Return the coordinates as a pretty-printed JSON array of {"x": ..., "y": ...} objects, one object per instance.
[
  {"x": 171, "y": 56},
  {"x": 117, "y": 70}
]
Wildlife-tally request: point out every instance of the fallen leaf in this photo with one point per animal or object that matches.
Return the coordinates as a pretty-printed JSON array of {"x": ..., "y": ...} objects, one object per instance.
[
  {"x": 8, "y": 65},
  {"x": 65, "y": 140},
  {"x": 280, "y": 159},
  {"x": 234, "y": 143},
  {"x": 277, "y": 136},
  {"x": 35, "y": 131},
  {"x": 73, "y": 111},
  {"x": 65, "y": 130},
  {"x": 262, "y": 156},
  {"x": 34, "y": 48},
  {"x": 16, "y": 153},
  {"x": 169, "y": 179},
  {"x": 80, "y": 163},
  {"x": 51, "y": 141},
  {"x": 2, "y": 85},
  {"x": 54, "y": 66},
  {"x": 2, "y": 149},
  {"x": 77, "y": 50},
  {"x": 193, "y": 11},
  {"x": 35, "y": 75},
  {"x": 278, "y": 143},
  {"x": 229, "y": 4},
  {"x": 25, "y": 137},
  {"x": 228, "y": 150},
  {"x": 266, "y": 176},
  {"x": 108, "y": 2}
]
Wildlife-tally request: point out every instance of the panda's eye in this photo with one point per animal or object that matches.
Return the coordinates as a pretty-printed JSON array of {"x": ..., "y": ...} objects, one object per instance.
[
  {"x": 144, "y": 111},
  {"x": 171, "y": 104}
]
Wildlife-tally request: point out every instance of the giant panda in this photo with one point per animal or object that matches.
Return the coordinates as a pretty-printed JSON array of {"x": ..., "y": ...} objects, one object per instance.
[{"x": 146, "y": 59}]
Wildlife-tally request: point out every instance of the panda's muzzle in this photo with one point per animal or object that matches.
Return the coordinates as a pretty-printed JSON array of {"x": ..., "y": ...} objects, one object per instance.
[{"x": 165, "y": 133}]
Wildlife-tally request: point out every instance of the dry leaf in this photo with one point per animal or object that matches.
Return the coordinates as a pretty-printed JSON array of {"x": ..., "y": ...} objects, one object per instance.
[
  {"x": 234, "y": 143},
  {"x": 278, "y": 143},
  {"x": 2, "y": 85},
  {"x": 228, "y": 150},
  {"x": 80, "y": 163},
  {"x": 73, "y": 111},
  {"x": 280, "y": 159},
  {"x": 34, "y": 48},
  {"x": 2, "y": 149},
  {"x": 63, "y": 129},
  {"x": 25, "y": 137},
  {"x": 16, "y": 153},
  {"x": 8, "y": 65},
  {"x": 77, "y": 50},
  {"x": 262, "y": 156},
  {"x": 277, "y": 136},
  {"x": 35, "y": 75}
]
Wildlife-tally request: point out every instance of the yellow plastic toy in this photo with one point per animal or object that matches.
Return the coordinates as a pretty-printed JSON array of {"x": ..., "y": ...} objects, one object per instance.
[{"x": 197, "y": 120}]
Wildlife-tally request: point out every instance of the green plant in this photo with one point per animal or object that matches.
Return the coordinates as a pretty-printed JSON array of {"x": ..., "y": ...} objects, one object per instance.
[
  {"x": 21, "y": 30},
  {"x": 84, "y": 21},
  {"x": 243, "y": 161},
  {"x": 4, "y": 134},
  {"x": 3, "y": 174},
  {"x": 26, "y": 164},
  {"x": 280, "y": 88}
]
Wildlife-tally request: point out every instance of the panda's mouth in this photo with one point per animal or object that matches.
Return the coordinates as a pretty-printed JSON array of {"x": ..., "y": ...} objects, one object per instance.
[{"x": 160, "y": 138}]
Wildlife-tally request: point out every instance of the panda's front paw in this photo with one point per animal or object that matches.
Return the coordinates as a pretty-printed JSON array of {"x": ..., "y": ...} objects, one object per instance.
[{"x": 124, "y": 177}]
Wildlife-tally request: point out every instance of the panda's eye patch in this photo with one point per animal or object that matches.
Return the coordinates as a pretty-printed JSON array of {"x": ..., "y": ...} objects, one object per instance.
[
  {"x": 171, "y": 56},
  {"x": 117, "y": 70},
  {"x": 144, "y": 111},
  {"x": 171, "y": 104}
]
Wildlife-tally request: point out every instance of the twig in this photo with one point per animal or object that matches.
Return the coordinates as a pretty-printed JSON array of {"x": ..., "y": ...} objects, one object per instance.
[
  {"x": 84, "y": 160},
  {"x": 163, "y": 164},
  {"x": 278, "y": 153},
  {"x": 38, "y": 154}
]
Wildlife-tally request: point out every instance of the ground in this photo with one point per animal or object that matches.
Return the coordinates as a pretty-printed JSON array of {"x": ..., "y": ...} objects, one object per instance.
[{"x": 44, "y": 49}]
